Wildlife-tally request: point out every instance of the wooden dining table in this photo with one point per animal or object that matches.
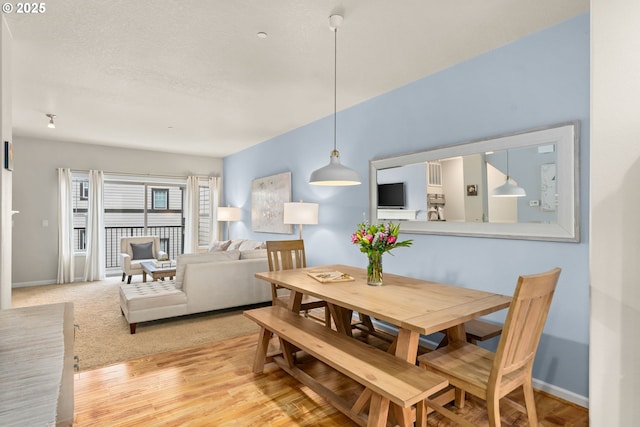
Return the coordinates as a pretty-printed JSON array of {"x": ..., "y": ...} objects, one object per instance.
[{"x": 415, "y": 306}]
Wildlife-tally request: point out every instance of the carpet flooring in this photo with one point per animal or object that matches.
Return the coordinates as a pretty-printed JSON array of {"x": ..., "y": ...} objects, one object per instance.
[{"x": 103, "y": 336}]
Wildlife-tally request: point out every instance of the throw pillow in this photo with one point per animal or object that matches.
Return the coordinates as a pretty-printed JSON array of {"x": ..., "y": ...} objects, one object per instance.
[
  {"x": 235, "y": 244},
  {"x": 219, "y": 245},
  {"x": 142, "y": 250}
]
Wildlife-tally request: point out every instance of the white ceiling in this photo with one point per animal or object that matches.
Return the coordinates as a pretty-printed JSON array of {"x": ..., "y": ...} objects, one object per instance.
[{"x": 192, "y": 76}]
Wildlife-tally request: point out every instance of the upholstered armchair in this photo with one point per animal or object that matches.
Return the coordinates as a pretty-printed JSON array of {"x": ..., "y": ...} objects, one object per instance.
[{"x": 135, "y": 250}]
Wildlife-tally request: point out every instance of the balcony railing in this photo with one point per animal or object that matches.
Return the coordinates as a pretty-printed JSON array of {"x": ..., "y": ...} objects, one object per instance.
[{"x": 171, "y": 240}]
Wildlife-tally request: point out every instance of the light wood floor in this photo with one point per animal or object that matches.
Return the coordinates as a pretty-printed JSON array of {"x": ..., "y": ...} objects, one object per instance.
[{"x": 213, "y": 385}]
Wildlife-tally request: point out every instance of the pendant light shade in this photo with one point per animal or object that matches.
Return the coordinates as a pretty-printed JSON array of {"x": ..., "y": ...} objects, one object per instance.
[
  {"x": 335, "y": 173},
  {"x": 509, "y": 188}
]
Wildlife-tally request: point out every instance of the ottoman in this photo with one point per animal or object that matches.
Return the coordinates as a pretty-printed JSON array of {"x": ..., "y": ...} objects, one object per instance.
[{"x": 141, "y": 302}]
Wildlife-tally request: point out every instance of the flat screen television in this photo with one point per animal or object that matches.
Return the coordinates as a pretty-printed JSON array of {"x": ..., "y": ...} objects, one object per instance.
[{"x": 391, "y": 196}]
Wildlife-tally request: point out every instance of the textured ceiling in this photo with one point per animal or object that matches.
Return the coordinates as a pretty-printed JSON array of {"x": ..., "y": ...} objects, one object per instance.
[{"x": 193, "y": 77}]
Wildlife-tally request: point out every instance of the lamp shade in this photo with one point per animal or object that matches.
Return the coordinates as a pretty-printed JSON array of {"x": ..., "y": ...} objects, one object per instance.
[
  {"x": 228, "y": 214},
  {"x": 334, "y": 173},
  {"x": 508, "y": 189},
  {"x": 300, "y": 213}
]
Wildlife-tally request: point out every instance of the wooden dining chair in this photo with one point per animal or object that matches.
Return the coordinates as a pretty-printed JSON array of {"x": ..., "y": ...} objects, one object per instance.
[
  {"x": 287, "y": 255},
  {"x": 491, "y": 376}
]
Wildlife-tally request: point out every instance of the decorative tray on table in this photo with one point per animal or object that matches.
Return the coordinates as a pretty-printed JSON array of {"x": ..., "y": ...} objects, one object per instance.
[{"x": 330, "y": 276}]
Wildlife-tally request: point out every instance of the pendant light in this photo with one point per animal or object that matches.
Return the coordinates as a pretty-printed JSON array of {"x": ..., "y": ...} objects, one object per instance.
[
  {"x": 51, "y": 124},
  {"x": 509, "y": 188},
  {"x": 334, "y": 173}
]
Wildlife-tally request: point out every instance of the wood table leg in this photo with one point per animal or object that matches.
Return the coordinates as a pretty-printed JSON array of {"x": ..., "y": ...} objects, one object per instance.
[
  {"x": 295, "y": 301},
  {"x": 342, "y": 318},
  {"x": 406, "y": 348}
]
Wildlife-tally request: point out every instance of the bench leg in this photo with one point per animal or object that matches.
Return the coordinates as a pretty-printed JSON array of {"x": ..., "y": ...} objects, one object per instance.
[
  {"x": 378, "y": 411},
  {"x": 288, "y": 352},
  {"x": 421, "y": 413},
  {"x": 129, "y": 280},
  {"x": 261, "y": 351},
  {"x": 123, "y": 276},
  {"x": 132, "y": 328}
]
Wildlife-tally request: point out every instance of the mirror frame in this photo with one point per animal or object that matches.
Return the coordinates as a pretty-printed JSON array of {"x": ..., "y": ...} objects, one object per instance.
[{"x": 567, "y": 229}]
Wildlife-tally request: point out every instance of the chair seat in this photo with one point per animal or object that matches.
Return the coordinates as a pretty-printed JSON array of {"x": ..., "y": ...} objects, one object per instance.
[{"x": 467, "y": 366}]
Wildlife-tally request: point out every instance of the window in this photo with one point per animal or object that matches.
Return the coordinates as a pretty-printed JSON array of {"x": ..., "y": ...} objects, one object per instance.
[
  {"x": 80, "y": 203},
  {"x": 159, "y": 199},
  {"x": 164, "y": 244},
  {"x": 84, "y": 190},
  {"x": 82, "y": 239},
  {"x": 204, "y": 215}
]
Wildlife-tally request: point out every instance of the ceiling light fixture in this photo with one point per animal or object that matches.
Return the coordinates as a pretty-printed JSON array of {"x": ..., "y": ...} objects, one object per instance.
[
  {"x": 509, "y": 188},
  {"x": 51, "y": 125},
  {"x": 334, "y": 173}
]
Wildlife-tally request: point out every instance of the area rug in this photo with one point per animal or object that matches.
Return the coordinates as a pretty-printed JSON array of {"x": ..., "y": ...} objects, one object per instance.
[{"x": 102, "y": 337}]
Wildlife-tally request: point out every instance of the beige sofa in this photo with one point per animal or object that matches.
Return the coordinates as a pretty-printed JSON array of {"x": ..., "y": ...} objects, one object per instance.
[{"x": 203, "y": 282}]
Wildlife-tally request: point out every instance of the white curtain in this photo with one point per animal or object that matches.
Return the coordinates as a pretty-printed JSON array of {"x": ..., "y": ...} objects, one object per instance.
[
  {"x": 65, "y": 226},
  {"x": 94, "y": 268},
  {"x": 192, "y": 215},
  {"x": 214, "y": 202}
]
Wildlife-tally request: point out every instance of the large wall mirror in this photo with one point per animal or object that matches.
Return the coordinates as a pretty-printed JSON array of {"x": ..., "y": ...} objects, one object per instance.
[{"x": 460, "y": 189}]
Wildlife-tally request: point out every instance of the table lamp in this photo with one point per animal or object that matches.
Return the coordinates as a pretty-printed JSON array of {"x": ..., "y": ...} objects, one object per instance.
[
  {"x": 300, "y": 213},
  {"x": 228, "y": 214}
]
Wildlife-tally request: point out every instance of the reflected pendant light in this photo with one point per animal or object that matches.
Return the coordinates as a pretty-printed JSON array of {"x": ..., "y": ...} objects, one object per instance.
[
  {"x": 509, "y": 188},
  {"x": 334, "y": 173}
]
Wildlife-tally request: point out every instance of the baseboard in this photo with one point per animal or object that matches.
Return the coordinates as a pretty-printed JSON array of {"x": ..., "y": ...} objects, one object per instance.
[
  {"x": 551, "y": 389},
  {"x": 38, "y": 283},
  {"x": 561, "y": 393}
]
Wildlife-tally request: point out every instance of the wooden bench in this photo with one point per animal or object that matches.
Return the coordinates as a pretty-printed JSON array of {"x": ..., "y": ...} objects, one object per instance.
[
  {"x": 386, "y": 378},
  {"x": 477, "y": 330}
]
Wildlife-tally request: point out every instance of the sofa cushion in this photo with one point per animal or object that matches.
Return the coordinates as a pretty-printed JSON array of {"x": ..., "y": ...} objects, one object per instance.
[
  {"x": 251, "y": 244},
  {"x": 199, "y": 258},
  {"x": 253, "y": 253},
  {"x": 143, "y": 296},
  {"x": 142, "y": 250},
  {"x": 219, "y": 245}
]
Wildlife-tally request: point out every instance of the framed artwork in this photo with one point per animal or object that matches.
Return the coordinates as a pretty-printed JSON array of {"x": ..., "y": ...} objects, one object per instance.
[
  {"x": 268, "y": 196},
  {"x": 8, "y": 155},
  {"x": 472, "y": 189}
]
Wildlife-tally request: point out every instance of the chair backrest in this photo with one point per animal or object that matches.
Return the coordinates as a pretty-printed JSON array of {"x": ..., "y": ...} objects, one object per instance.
[
  {"x": 284, "y": 255},
  {"x": 524, "y": 323},
  {"x": 125, "y": 243}
]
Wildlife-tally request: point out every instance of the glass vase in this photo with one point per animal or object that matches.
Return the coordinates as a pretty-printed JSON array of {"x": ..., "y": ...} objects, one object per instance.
[{"x": 374, "y": 269}]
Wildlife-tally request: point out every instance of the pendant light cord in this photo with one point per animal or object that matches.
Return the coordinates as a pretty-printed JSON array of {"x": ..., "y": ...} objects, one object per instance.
[{"x": 335, "y": 86}]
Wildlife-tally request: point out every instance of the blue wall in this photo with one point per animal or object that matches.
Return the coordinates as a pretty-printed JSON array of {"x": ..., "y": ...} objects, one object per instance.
[{"x": 539, "y": 80}]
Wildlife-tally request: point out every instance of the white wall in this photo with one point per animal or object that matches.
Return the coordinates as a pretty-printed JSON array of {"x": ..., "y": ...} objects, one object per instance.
[
  {"x": 5, "y": 176},
  {"x": 614, "y": 368},
  {"x": 35, "y": 193}
]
